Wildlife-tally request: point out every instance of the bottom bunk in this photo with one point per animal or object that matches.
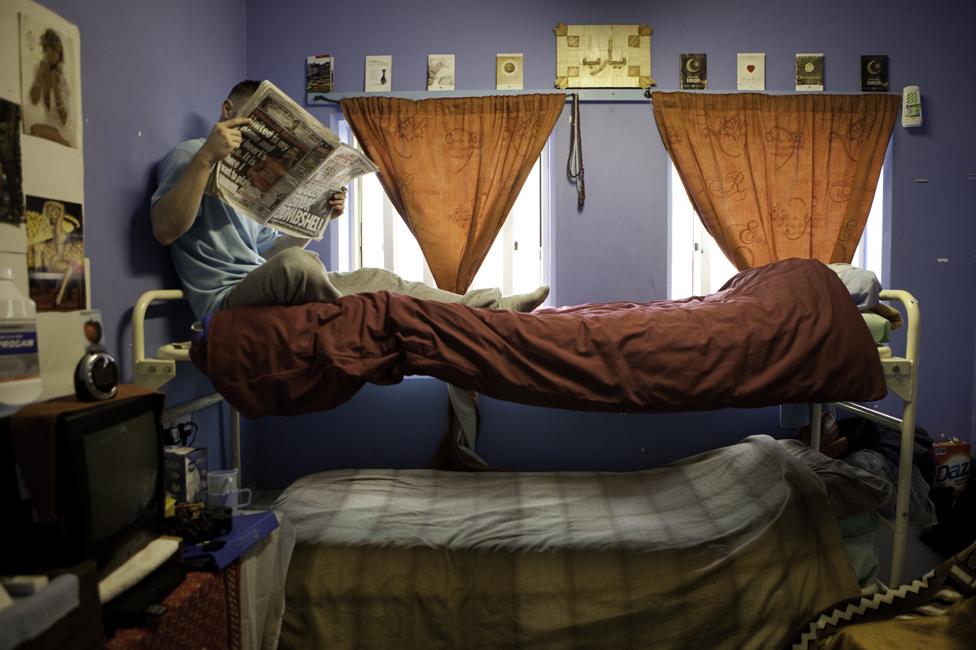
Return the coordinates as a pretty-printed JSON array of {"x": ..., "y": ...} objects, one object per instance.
[{"x": 732, "y": 548}]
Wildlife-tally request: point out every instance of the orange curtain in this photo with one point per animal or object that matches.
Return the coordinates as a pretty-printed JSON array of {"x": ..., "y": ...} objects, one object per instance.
[
  {"x": 453, "y": 167},
  {"x": 774, "y": 177}
]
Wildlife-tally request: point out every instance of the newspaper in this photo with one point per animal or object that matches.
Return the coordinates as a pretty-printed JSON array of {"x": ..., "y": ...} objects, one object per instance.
[{"x": 287, "y": 167}]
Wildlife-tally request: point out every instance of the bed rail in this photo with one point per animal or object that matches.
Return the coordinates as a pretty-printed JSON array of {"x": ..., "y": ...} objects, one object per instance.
[
  {"x": 901, "y": 374},
  {"x": 154, "y": 372},
  {"x": 151, "y": 372}
]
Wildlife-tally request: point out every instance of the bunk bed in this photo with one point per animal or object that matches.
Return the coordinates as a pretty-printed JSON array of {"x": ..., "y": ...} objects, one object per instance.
[{"x": 298, "y": 359}]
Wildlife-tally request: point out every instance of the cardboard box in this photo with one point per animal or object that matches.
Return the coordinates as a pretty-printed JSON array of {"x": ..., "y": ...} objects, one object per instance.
[
  {"x": 952, "y": 461},
  {"x": 185, "y": 476}
]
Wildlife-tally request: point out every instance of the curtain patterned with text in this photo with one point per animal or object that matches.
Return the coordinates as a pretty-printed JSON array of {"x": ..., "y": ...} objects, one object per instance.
[{"x": 774, "y": 177}]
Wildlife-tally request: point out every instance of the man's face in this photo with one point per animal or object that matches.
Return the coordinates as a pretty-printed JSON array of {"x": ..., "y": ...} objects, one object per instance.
[
  {"x": 231, "y": 106},
  {"x": 228, "y": 110}
]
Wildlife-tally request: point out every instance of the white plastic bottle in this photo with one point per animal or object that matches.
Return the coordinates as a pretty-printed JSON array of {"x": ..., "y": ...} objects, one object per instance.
[{"x": 20, "y": 366}]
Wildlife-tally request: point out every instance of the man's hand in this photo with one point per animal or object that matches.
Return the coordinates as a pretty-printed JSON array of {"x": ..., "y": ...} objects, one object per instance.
[
  {"x": 224, "y": 138},
  {"x": 331, "y": 207},
  {"x": 336, "y": 205}
]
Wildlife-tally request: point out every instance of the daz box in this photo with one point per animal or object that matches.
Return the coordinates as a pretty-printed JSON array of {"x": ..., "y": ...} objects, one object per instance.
[{"x": 186, "y": 474}]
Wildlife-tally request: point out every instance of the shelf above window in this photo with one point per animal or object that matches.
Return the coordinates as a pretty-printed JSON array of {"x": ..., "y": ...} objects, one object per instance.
[{"x": 585, "y": 94}]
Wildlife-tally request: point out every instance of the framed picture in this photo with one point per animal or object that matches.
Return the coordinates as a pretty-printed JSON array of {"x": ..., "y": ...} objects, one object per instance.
[{"x": 603, "y": 56}]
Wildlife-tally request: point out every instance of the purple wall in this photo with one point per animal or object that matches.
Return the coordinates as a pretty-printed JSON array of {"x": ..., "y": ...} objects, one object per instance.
[
  {"x": 617, "y": 248},
  {"x": 153, "y": 74},
  {"x": 163, "y": 68}
]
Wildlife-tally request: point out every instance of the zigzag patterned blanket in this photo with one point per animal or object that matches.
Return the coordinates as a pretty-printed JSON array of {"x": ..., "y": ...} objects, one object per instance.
[{"x": 936, "y": 611}]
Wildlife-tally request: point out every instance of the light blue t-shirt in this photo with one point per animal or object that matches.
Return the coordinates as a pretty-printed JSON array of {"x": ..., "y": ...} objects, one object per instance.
[{"x": 220, "y": 248}]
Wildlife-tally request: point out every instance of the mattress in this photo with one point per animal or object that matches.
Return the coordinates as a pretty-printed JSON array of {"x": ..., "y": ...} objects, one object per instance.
[{"x": 733, "y": 548}]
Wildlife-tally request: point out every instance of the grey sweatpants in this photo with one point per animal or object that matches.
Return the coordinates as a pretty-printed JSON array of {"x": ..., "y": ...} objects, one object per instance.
[{"x": 296, "y": 276}]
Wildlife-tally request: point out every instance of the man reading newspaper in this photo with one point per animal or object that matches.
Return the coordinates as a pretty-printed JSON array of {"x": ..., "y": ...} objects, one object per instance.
[{"x": 238, "y": 208}]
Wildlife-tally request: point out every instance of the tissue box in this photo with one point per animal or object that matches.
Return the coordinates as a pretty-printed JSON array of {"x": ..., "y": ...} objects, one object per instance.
[{"x": 185, "y": 476}]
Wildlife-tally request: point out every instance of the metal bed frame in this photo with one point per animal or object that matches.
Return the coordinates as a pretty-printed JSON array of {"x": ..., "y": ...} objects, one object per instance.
[
  {"x": 901, "y": 375},
  {"x": 154, "y": 372}
]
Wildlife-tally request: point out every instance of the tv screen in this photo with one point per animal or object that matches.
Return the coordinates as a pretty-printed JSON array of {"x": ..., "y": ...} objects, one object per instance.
[{"x": 122, "y": 462}]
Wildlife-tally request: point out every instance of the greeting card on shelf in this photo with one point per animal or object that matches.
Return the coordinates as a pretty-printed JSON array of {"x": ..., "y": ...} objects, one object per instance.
[
  {"x": 318, "y": 78},
  {"x": 694, "y": 71},
  {"x": 874, "y": 73},
  {"x": 809, "y": 72},
  {"x": 440, "y": 72},
  {"x": 751, "y": 71},
  {"x": 508, "y": 71},
  {"x": 379, "y": 74}
]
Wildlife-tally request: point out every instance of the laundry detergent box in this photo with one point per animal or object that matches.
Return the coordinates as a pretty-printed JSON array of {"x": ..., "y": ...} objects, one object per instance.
[
  {"x": 952, "y": 464},
  {"x": 186, "y": 474}
]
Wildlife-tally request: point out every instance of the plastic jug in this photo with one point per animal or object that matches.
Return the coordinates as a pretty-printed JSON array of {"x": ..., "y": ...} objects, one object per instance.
[{"x": 20, "y": 367}]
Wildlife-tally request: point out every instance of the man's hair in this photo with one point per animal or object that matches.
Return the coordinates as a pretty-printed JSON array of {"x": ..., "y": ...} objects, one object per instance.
[{"x": 243, "y": 90}]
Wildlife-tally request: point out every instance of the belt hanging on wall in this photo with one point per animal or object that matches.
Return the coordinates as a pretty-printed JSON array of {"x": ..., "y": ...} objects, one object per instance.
[{"x": 574, "y": 165}]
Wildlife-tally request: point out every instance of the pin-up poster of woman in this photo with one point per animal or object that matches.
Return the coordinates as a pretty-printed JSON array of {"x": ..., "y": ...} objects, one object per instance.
[
  {"x": 48, "y": 82},
  {"x": 55, "y": 254}
]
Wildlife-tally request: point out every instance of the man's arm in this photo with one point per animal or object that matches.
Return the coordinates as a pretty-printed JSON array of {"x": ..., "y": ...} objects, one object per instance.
[
  {"x": 176, "y": 211},
  {"x": 334, "y": 208}
]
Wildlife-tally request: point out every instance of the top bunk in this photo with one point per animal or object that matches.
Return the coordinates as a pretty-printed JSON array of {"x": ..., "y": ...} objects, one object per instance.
[{"x": 785, "y": 332}]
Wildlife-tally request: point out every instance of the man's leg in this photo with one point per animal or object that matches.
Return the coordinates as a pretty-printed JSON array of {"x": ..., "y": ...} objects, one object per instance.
[
  {"x": 369, "y": 279},
  {"x": 382, "y": 280},
  {"x": 294, "y": 276}
]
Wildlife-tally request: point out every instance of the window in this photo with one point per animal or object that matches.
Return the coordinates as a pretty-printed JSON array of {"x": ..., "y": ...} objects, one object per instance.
[
  {"x": 376, "y": 236},
  {"x": 699, "y": 267}
]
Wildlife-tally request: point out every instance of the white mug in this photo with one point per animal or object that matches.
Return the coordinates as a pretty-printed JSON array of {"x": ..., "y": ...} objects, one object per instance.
[
  {"x": 234, "y": 500},
  {"x": 222, "y": 490}
]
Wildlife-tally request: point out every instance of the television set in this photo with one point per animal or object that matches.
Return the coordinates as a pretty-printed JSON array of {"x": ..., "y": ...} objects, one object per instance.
[{"x": 89, "y": 482}]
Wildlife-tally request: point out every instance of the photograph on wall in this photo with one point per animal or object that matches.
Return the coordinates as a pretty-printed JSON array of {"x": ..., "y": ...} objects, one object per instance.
[
  {"x": 508, "y": 71},
  {"x": 809, "y": 72},
  {"x": 751, "y": 71},
  {"x": 48, "y": 82},
  {"x": 440, "y": 72},
  {"x": 379, "y": 74},
  {"x": 694, "y": 71},
  {"x": 603, "y": 56},
  {"x": 55, "y": 254},
  {"x": 318, "y": 78},
  {"x": 874, "y": 73},
  {"x": 11, "y": 177}
]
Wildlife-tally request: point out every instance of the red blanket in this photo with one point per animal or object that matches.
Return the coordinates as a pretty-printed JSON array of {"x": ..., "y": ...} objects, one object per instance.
[{"x": 786, "y": 332}]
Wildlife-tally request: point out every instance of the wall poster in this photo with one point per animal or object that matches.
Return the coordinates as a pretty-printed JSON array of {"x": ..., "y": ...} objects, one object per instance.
[
  {"x": 603, "y": 56},
  {"x": 11, "y": 176},
  {"x": 48, "y": 82},
  {"x": 55, "y": 254}
]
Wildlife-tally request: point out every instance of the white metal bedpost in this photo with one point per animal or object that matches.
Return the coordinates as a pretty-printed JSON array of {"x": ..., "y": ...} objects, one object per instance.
[
  {"x": 153, "y": 372},
  {"x": 907, "y": 437},
  {"x": 902, "y": 377}
]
